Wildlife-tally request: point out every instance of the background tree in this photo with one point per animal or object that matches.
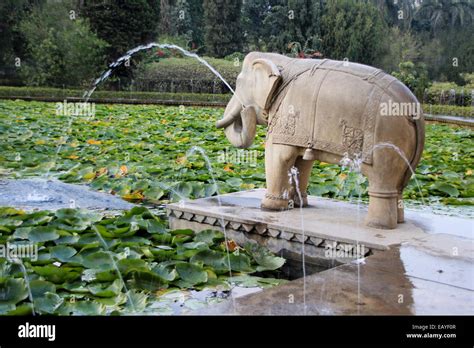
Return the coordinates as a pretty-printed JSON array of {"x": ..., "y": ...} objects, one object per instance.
[
  {"x": 123, "y": 24},
  {"x": 61, "y": 48},
  {"x": 445, "y": 27},
  {"x": 167, "y": 26},
  {"x": 293, "y": 21},
  {"x": 353, "y": 30},
  {"x": 181, "y": 22},
  {"x": 414, "y": 77},
  {"x": 254, "y": 13},
  {"x": 12, "y": 42},
  {"x": 222, "y": 27},
  {"x": 442, "y": 14},
  {"x": 397, "y": 13},
  {"x": 401, "y": 46},
  {"x": 188, "y": 15}
]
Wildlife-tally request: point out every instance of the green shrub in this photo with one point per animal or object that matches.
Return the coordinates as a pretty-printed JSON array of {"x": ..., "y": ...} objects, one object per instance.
[
  {"x": 62, "y": 50},
  {"x": 58, "y": 93},
  {"x": 413, "y": 76},
  {"x": 449, "y": 93},
  {"x": 451, "y": 110}
]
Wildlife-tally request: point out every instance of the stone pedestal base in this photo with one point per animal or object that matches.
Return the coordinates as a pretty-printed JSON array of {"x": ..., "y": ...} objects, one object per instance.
[
  {"x": 332, "y": 231},
  {"x": 427, "y": 260}
]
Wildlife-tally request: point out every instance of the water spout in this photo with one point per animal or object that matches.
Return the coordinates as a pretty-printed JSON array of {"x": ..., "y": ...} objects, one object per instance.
[
  {"x": 126, "y": 57},
  {"x": 294, "y": 178}
]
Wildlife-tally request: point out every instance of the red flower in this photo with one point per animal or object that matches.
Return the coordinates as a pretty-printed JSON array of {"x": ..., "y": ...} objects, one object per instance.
[{"x": 160, "y": 53}]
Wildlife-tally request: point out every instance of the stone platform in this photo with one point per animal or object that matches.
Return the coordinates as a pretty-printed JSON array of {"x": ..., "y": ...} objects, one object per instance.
[{"x": 425, "y": 266}]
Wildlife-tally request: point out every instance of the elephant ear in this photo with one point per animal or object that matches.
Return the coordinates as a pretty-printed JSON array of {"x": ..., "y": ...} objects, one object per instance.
[{"x": 267, "y": 77}]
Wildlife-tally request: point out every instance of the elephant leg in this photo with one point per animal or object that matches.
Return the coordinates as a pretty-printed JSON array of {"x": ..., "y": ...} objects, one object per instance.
[
  {"x": 278, "y": 161},
  {"x": 400, "y": 208},
  {"x": 384, "y": 192},
  {"x": 304, "y": 169},
  {"x": 382, "y": 208}
]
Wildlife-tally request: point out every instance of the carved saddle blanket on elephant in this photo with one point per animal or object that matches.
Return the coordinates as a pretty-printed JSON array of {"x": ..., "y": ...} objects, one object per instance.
[{"x": 328, "y": 105}]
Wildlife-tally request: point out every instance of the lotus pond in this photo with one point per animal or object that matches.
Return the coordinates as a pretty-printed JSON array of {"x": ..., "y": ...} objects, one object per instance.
[
  {"x": 91, "y": 263},
  {"x": 85, "y": 263},
  {"x": 139, "y": 153}
]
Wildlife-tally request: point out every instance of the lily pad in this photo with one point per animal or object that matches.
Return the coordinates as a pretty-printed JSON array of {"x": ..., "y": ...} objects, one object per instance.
[
  {"x": 12, "y": 291},
  {"x": 191, "y": 273},
  {"x": 102, "y": 290},
  {"x": 48, "y": 303},
  {"x": 43, "y": 234}
]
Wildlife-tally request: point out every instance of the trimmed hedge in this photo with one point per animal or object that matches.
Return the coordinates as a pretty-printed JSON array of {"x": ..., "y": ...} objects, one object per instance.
[
  {"x": 441, "y": 93},
  {"x": 182, "y": 75},
  {"x": 40, "y": 92},
  {"x": 451, "y": 110}
]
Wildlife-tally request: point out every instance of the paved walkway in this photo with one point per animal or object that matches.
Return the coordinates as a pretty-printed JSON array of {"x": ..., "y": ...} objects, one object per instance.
[
  {"x": 461, "y": 121},
  {"x": 423, "y": 267}
]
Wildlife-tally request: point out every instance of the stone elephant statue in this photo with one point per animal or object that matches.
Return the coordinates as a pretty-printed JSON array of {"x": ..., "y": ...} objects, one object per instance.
[{"x": 328, "y": 110}]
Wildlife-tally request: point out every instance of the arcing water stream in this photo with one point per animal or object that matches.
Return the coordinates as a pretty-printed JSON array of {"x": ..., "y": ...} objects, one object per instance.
[
  {"x": 140, "y": 48},
  {"x": 86, "y": 98}
]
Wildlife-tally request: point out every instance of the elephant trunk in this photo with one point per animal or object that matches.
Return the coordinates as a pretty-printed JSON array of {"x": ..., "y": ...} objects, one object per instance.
[{"x": 240, "y": 124}]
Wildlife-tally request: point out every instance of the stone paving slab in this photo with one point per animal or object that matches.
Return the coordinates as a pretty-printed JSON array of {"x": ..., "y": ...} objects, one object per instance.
[
  {"x": 356, "y": 289},
  {"x": 425, "y": 266}
]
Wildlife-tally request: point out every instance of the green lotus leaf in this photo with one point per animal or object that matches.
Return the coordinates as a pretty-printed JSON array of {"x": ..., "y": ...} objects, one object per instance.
[
  {"x": 248, "y": 281},
  {"x": 155, "y": 226},
  {"x": 240, "y": 263},
  {"x": 166, "y": 271},
  {"x": 40, "y": 287},
  {"x": 12, "y": 291},
  {"x": 263, "y": 257},
  {"x": 48, "y": 303},
  {"x": 81, "y": 308},
  {"x": 58, "y": 275},
  {"x": 136, "y": 301},
  {"x": 209, "y": 236},
  {"x": 448, "y": 189},
  {"x": 106, "y": 290},
  {"x": 22, "y": 233},
  {"x": 101, "y": 260},
  {"x": 21, "y": 310},
  {"x": 7, "y": 211},
  {"x": 191, "y": 273},
  {"x": 184, "y": 232},
  {"x": 148, "y": 280},
  {"x": 43, "y": 234},
  {"x": 127, "y": 266},
  {"x": 92, "y": 275},
  {"x": 37, "y": 218},
  {"x": 10, "y": 222},
  {"x": 217, "y": 260},
  {"x": 62, "y": 253}
]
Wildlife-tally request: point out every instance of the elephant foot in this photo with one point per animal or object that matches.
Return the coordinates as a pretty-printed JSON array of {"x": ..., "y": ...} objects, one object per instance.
[
  {"x": 401, "y": 209},
  {"x": 382, "y": 211},
  {"x": 296, "y": 200},
  {"x": 278, "y": 203}
]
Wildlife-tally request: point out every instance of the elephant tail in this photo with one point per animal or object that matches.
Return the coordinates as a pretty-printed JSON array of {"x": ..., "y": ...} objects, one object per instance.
[{"x": 419, "y": 124}]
